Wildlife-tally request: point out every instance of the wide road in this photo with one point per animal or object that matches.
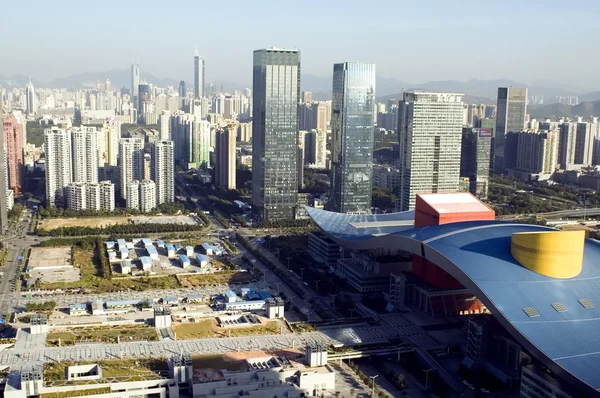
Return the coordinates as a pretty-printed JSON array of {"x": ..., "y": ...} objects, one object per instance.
[
  {"x": 579, "y": 213},
  {"x": 18, "y": 242},
  {"x": 30, "y": 348}
]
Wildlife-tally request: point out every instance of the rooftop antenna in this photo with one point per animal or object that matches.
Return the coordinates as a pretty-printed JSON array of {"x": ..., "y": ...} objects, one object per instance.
[{"x": 196, "y": 51}]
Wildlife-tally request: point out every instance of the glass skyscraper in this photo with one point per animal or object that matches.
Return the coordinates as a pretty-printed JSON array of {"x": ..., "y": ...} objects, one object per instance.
[
  {"x": 352, "y": 132},
  {"x": 276, "y": 94}
]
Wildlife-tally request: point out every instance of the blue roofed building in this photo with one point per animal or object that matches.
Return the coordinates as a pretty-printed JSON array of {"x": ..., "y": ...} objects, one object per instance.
[
  {"x": 189, "y": 251},
  {"x": 160, "y": 244},
  {"x": 202, "y": 260},
  {"x": 264, "y": 295},
  {"x": 184, "y": 261},
  {"x": 178, "y": 247},
  {"x": 146, "y": 263},
  {"x": 121, "y": 304},
  {"x": 211, "y": 250},
  {"x": 230, "y": 296},
  {"x": 539, "y": 285},
  {"x": 78, "y": 309},
  {"x": 170, "y": 250},
  {"x": 152, "y": 252}
]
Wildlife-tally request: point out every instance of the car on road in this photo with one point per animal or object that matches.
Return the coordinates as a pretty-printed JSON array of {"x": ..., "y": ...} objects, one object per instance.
[{"x": 485, "y": 391}]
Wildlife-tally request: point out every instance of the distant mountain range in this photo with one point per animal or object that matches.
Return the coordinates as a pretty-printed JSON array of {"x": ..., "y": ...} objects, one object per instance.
[
  {"x": 476, "y": 91},
  {"x": 555, "y": 111}
]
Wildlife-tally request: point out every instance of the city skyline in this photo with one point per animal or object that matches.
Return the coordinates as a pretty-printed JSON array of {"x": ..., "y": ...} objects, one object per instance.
[{"x": 432, "y": 38}]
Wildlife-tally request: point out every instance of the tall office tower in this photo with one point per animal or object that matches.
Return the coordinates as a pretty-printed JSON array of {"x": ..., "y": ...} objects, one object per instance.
[
  {"x": 537, "y": 151},
  {"x": 3, "y": 181},
  {"x": 182, "y": 89},
  {"x": 226, "y": 157},
  {"x": 196, "y": 108},
  {"x": 165, "y": 125},
  {"x": 315, "y": 148},
  {"x": 567, "y": 144},
  {"x": 57, "y": 147},
  {"x": 135, "y": 83},
  {"x": 300, "y": 154},
  {"x": 13, "y": 146},
  {"x": 199, "y": 81},
  {"x": 276, "y": 93},
  {"x": 307, "y": 97},
  {"x": 147, "y": 195},
  {"x": 475, "y": 159},
  {"x": 131, "y": 162},
  {"x": 352, "y": 132},
  {"x": 84, "y": 142},
  {"x": 511, "y": 113},
  {"x": 107, "y": 195},
  {"x": 163, "y": 171},
  {"x": 429, "y": 134},
  {"x": 30, "y": 100}
]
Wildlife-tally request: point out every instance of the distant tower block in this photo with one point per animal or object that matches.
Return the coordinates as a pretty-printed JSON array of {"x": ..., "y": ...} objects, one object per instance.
[
  {"x": 39, "y": 324},
  {"x": 162, "y": 317},
  {"x": 316, "y": 355}
]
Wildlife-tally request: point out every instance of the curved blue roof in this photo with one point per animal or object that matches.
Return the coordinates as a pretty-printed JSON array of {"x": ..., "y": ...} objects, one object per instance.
[{"x": 478, "y": 255}]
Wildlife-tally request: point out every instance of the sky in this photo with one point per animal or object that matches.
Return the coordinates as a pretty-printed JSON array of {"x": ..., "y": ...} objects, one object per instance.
[{"x": 412, "y": 41}]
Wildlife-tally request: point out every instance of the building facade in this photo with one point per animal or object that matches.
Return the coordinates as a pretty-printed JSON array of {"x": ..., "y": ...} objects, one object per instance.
[
  {"x": 131, "y": 155},
  {"x": 84, "y": 141},
  {"x": 199, "y": 83},
  {"x": 315, "y": 149},
  {"x": 475, "y": 159},
  {"x": 352, "y": 133},
  {"x": 163, "y": 171},
  {"x": 57, "y": 146},
  {"x": 429, "y": 134},
  {"x": 225, "y": 167},
  {"x": 13, "y": 146},
  {"x": 511, "y": 114},
  {"x": 276, "y": 93}
]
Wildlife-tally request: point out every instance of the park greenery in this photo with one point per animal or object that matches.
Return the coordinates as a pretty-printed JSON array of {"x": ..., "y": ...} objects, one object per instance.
[
  {"x": 384, "y": 199},
  {"x": 222, "y": 219},
  {"x": 16, "y": 212},
  {"x": 46, "y": 306}
]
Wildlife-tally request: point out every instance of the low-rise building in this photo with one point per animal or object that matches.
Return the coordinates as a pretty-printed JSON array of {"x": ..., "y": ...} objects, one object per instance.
[
  {"x": 39, "y": 324},
  {"x": 146, "y": 263},
  {"x": 152, "y": 252},
  {"x": 323, "y": 249},
  {"x": 189, "y": 251},
  {"x": 126, "y": 266},
  {"x": 274, "y": 307},
  {"x": 202, "y": 260},
  {"x": 170, "y": 250},
  {"x": 77, "y": 309},
  {"x": 211, "y": 250},
  {"x": 184, "y": 261}
]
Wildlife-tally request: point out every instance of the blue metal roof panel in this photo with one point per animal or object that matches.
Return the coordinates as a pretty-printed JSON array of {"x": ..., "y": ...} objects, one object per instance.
[
  {"x": 146, "y": 260},
  {"x": 184, "y": 259},
  {"x": 477, "y": 253},
  {"x": 151, "y": 250}
]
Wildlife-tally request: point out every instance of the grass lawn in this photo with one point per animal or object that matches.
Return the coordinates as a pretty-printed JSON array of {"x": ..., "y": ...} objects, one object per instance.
[
  {"x": 222, "y": 277},
  {"x": 118, "y": 370},
  {"x": 216, "y": 362},
  {"x": 105, "y": 334},
  {"x": 91, "y": 277},
  {"x": 209, "y": 328},
  {"x": 77, "y": 393}
]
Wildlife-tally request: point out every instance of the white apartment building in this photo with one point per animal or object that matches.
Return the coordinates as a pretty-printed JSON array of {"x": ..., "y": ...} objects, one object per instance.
[
  {"x": 107, "y": 195},
  {"x": 163, "y": 171},
  {"x": 131, "y": 151},
  {"x": 84, "y": 142},
  {"x": 132, "y": 194},
  {"x": 147, "y": 195},
  {"x": 430, "y": 135},
  {"x": 165, "y": 125},
  {"x": 57, "y": 147}
]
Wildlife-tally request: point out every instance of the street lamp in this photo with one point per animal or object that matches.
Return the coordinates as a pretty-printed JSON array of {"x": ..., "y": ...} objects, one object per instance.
[
  {"x": 317, "y": 286},
  {"x": 373, "y": 378},
  {"x": 427, "y": 376}
]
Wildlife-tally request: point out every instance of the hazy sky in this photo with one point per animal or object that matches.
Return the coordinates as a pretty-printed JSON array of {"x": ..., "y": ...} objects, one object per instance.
[{"x": 413, "y": 41}]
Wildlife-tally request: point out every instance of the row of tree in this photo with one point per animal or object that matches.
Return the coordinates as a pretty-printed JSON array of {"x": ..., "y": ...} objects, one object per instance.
[{"x": 124, "y": 229}]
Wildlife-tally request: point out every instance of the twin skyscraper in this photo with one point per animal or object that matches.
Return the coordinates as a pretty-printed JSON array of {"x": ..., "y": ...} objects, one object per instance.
[{"x": 276, "y": 86}]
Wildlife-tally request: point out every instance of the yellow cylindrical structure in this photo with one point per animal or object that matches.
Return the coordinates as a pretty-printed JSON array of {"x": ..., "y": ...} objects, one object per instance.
[{"x": 557, "y": 254}]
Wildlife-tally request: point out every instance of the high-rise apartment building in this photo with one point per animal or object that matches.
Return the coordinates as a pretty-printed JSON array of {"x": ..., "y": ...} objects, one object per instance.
[
  {"x": 165, "y": 125},
  {"x": 244, "y": 132},
  {"x": 5, "y": 193},
  {"x": 511, "y": 114},
  {"x": 30, "y": 99},
  {"x": 226, "y": 157},
  {"x": 182, "y": 89},
  {"x": 135, "y": 83},
  {"x": 13, "y": 146},
  {"x": 307, "y": 97},
  {"x": 199, "y": 82},
  {"x": 84, "y": 141},
  {"x": 163, "y": 171},
  {"x": 131, "y": 162},
  {"x": 276, "y": 93},
  {"x": 147, "y": 195},
  {"x": 429, "y": 134},
  {"x": 536, "y": 151},
  {"x": 475, "y": 159},
  {"x": 107, "y": 195},
  {"x": 352, "y": 132},
  {"x": 108, "y": 143},
  {"x": 91, "y": 196},
  {"x": 132, "y": 194},
  {"x": 57, "y": 147}
]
